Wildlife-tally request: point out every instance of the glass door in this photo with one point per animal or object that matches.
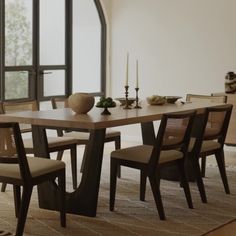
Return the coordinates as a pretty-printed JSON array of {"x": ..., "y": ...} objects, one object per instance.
[
  {"x": 18, "y": 47},
  {"x": 35, "y": 42},
  {"x": 52, "y": 53}
]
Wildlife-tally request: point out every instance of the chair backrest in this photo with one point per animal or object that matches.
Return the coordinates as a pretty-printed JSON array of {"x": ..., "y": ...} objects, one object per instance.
[
  {"x": 12, "y": 107},
  {"x": 213, "y": 126},
  {"x": 7, "y": 147},
  {"x": 210, "y": 98},
  {"x": 173, "y": 134},
  {"x": 1, "y": 108},
  {"x": 58, "y": 102},
  {"x": 217, "y": 122},
  {"x": 12, "y": 149}
]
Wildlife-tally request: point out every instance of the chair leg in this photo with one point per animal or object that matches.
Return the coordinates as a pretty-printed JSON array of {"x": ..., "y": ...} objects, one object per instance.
[
  {"x": 17, "y": 199},
  {"x": 59, "y": 155},
  {"x": 203, "y": 166},
  {"x": 118, "y": 146},
  {"x": 143, "y": 182},
  {"x": 200, "y": 184},
  {"x": 117, "y": 143},
  {"x": 73, "y": 156},
  {"x": 113, "y": 180},
  {"x": 157, "y": 196},
  {"x": 119, "y": 171},
  {"x": 83, "y": 160},
  {"x": 184, "y": 182},
  {"x": 62, "y": 194},
  {"x": 3, "y": 189},
  {"x": 24, "y": 206},
  {"x": 221, "y": 165}
]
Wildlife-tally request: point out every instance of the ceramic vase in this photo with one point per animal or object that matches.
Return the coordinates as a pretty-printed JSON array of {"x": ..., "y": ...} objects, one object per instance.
[{"x": 81, "y": 103}]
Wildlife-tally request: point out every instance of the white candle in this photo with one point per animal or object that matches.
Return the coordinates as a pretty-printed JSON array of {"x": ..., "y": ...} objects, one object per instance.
[
  {"x": 127, "y": 70},
  {"x": 137, "y": 85}
]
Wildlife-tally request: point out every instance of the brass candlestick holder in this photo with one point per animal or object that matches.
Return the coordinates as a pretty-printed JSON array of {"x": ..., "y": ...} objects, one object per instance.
[
  {"x": 136, "y": 99},
  {"x": 127, "y": 106}
]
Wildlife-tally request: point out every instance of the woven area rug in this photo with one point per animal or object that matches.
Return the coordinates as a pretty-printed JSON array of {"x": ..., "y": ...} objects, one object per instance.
[{"x": 132, "y": 217}]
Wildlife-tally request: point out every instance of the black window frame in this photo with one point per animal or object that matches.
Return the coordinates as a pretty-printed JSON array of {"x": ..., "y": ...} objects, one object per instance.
[{"x": 36, "y": 86}]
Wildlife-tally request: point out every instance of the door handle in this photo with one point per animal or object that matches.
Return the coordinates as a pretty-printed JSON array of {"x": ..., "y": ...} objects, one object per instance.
[{"x": 44, "y": 73}]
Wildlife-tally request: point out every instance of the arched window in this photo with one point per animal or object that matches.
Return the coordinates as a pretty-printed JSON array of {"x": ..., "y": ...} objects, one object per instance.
[
  {"x": 89, "y": 30},
  {"x": 50, "y": 51}
]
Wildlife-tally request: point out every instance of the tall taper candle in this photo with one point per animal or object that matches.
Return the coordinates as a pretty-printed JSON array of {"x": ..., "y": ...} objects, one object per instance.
[
  {"x": 137, "y": 85},
  {"x": 127, "y": 70}
]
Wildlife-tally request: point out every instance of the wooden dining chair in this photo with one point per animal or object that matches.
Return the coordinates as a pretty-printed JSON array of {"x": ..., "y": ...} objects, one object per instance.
[
  {"x": 211, "y": 98},
  {"x": 82, "y": 136},
  {"x": 168, "y": 150},
  {"x": 211, "y": 142},
  {"x": 12, "y": 107},
  {"x": 55, "y": 144},
  {"x": 196, "y": 143},
  {"x": 26, "y": 172}
]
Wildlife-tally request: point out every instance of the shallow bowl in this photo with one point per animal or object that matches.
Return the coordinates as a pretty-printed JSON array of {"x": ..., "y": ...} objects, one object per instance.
[
  {"x": 159, "y": 101},
  {"x": 122, "y": 101},
  {"x": 172, "y": 99}
]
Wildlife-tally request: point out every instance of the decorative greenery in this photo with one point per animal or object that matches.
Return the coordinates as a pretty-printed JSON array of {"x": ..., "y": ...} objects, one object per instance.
[{"x": 106, "y": 102}]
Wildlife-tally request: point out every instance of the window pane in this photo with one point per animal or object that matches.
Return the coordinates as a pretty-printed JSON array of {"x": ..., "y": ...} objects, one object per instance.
[
  {"x": 16, "y": 84},
  {"x": 52, "y": 32},
  {"x": 86, "y": 47},
  {"x": 54, "y": 83},
  {"x": 18, "y": 32}
]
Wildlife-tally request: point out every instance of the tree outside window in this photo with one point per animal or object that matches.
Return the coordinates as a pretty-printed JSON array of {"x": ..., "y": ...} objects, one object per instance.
[{"x": 18, "y": 47}]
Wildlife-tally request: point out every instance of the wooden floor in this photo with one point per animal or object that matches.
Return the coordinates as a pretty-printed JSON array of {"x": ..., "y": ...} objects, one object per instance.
[{"x": 226, "y": 230}]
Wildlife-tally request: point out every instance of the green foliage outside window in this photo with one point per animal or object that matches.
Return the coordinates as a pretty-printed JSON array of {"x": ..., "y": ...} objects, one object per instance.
[{"x": 18, "y": 48}]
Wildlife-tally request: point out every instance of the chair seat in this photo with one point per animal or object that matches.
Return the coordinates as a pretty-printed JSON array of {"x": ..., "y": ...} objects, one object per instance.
[
  {"x": 207, "y": 145},
  {"x": 38, "y": 166},
  {"x": 142, "y": 154},
  {"x": 52, "y": 142},
  {"x": 84, "y": 136},
  {"x": 112, "y": 133}
]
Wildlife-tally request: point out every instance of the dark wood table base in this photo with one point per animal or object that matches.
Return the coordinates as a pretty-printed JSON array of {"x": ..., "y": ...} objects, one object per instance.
[{"x": 83, "y": 200}]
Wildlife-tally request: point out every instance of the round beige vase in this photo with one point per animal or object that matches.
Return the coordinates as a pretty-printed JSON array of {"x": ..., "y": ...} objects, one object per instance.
[{"x": 81, "y": 103}]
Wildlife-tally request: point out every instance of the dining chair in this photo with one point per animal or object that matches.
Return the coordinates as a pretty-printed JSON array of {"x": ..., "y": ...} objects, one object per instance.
[
  {"x": 210, "y": 141},
  {"x": 199, "y": 147},
  {"x": 55, "y": 144},
  {"x": 211, "y": 98},
  {"x": 12, "y": 107},
  {"x": 167, "y": 150},
  {"x": 26, "y": 172},
  {"x": 82, "y": 136}
]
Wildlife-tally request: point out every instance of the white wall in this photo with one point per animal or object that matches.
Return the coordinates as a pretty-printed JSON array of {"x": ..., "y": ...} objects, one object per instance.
[{"x": 183, "y": 46}]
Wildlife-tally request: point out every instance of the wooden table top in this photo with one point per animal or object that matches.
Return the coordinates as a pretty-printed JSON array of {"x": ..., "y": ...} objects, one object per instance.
[{"x": 66, "y": 118}]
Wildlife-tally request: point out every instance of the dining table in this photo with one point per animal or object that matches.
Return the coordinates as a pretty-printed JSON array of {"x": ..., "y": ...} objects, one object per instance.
[{"x": 84, "y": 200}]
